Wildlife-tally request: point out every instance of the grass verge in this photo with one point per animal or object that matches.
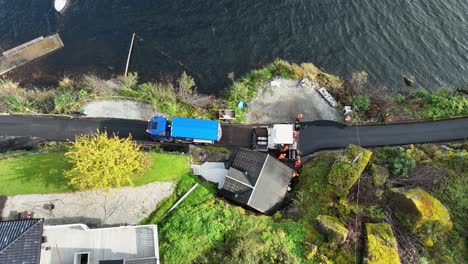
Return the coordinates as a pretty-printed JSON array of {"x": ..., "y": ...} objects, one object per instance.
[{"x": 43, "y": 173}]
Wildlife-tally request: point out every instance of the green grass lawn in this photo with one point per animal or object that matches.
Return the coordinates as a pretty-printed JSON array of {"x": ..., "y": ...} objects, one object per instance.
[
  {"x": 43, "y": 173},
  {"x": 165, "y": 168}
]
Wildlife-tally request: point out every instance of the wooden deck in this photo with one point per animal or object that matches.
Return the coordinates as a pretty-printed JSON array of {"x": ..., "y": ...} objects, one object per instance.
[{"x": 28, "y": 52}]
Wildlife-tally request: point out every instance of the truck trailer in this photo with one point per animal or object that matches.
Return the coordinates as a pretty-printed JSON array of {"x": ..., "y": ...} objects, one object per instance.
[{"x": 184, "y": 130}]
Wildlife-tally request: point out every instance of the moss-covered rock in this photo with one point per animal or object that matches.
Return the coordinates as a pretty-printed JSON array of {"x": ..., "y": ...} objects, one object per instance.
[
  {"x": 335, "y": 230},
  {"x": 311, "y": 253},
  {"x": 379, "y": 174},
  {"x": 424, "y": 215},
  {"x": 348, "y": 168},
  {"x": 381, "y": 245}
]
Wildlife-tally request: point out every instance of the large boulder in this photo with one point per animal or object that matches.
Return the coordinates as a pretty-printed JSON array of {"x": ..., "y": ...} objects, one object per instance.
[
  {"x": 381, "y": 245},
  {"x": 348, "y": 168},
  {"x": 424, "y": 215},
  {"x": 335, "y": 231}
]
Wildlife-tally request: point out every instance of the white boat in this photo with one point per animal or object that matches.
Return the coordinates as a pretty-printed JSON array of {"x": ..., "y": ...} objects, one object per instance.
[{"x": 60, "y": 5}]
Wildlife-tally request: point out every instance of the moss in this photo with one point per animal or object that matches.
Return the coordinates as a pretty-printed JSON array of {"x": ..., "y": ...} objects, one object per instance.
[
  {"x": 333, "y": 228},
  {"x": 381, "y": 245},
  {"x": 313, "y": 192},
  {"x": 348, "y": 168},
  {"x": 311, "y": 253},
  {"x": 379, "y": 174},
  {"x": 424, "y": 215}
]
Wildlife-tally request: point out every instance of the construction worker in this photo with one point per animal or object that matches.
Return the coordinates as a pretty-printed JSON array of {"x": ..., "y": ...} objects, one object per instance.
[
  {"x": 297, "y": 163},
  {"x": 282, "y": 156},
  {"x": 285, "y": 148},
  {"x": 298, "y": 117}
]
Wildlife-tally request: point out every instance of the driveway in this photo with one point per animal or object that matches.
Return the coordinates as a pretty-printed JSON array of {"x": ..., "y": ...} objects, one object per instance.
[{"x": 127, "y": 205}]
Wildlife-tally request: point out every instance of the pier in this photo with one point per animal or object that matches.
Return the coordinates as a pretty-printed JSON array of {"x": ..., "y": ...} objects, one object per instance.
[{"x": 29, "y": 51}]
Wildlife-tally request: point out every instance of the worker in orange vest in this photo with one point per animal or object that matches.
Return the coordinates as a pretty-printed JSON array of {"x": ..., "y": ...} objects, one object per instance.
[
  {"x": 298, "y": 117},
  {"x": 282, "y": 156},
  {"x": 297, "y": 163}
]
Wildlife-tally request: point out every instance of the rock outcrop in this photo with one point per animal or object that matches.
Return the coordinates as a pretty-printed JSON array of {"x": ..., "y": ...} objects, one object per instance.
[
  {"x": 424, "y": 215},
  {"x": 381, "y": 245},
  {"x": 335, "y": 231},
  {"x": 348, "y": 168}
]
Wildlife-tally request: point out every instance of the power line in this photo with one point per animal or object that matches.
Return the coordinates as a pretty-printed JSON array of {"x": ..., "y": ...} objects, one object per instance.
[{"x": 357, "y": 197}]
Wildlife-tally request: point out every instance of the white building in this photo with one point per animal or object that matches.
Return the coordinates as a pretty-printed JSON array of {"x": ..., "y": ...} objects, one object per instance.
[{"x": 78, "y": 244}]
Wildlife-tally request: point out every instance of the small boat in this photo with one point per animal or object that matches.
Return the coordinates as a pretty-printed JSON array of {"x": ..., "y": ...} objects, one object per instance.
[{"x": 60, "y": 5}]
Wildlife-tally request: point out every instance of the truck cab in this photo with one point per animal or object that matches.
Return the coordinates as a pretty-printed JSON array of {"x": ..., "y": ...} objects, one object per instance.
[{"x": 159, "y": 129}]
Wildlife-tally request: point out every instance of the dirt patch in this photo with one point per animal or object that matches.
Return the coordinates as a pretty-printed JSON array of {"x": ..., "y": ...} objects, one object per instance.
[
  {"x": 128, "y": 205},
  {"x": 281, "y": 100},
  {"x": 121, "y": 109}
]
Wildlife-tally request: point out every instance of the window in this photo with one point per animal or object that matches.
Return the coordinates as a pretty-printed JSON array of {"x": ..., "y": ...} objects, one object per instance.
[{"x": 82, "y": 258}]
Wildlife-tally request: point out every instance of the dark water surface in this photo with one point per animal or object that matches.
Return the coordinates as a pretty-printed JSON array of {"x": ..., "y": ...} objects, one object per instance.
[{"x": 425, "y": 39}]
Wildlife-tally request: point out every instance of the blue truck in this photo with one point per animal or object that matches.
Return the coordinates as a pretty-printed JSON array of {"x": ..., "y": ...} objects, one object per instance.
[{"x": 184, "y": 130}]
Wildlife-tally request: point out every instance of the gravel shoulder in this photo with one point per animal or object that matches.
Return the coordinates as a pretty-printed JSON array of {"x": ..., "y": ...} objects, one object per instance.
[
  {"x": 282, "y": 101},
  {"x": 125, "y": 109},
  {"x": 127, "y": 205}
]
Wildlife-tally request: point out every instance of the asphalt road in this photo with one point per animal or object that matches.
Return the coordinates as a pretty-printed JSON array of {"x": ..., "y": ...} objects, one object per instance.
[
  {"x": 65, "y": 128},
  {"x": 325, "y": 135},
  {"x": 314, "y": 136}
]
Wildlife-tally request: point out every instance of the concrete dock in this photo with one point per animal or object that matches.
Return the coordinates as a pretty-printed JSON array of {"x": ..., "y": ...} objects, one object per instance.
[{"x": 28, "y": 52}]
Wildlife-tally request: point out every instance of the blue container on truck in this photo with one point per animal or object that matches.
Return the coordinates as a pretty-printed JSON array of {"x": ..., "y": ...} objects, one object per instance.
[{"x": 184, "y": 130}]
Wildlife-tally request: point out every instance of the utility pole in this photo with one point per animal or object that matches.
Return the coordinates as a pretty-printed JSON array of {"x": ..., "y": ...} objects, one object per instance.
[{"x": 129, "y": 54}]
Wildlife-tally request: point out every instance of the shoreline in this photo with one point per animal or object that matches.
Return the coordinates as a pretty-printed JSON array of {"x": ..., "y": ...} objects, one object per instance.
[{"x": 180, "y": 97}]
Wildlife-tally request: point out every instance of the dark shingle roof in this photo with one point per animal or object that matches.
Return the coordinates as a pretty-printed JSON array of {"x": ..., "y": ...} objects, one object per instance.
[
  {"x": 268, "y": 177},
  {"x": 236, "y": 190},
  {"x": 239, "y": 175},
  {"x": 250, "y": 162},
  {"x": 20, "y": 241}
]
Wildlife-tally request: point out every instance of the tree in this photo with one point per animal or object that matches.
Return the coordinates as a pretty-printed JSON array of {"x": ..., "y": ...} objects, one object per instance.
[{"x": 100, "y": 161}]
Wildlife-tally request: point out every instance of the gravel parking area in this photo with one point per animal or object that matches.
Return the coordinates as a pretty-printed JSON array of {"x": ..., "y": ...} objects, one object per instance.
[
  {"x": 282, "y": 101},
  {"x": 121, "y": 109},
  {"x": 128, "y": 205}
]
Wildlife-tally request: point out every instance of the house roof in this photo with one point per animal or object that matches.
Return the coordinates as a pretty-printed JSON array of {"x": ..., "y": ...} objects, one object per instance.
[
  {"x": 20, "y": 241},
  {"x": 134, "y": 244},
  {"x": 257, "y": 180}
]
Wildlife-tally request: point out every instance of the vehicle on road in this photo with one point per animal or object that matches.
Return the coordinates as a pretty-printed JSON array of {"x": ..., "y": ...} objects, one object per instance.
[
  {"x": 184, "y": 130},
  {"x": 278, "y": 137}
]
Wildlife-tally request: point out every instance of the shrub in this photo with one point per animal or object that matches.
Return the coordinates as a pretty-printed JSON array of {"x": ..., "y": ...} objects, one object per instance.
[
  {"x": 186, "y": 85},
  {"x": 358, "y": 82},
  {"x": 445, "y": 104},
  {"x": 397, "y": 160},
  {"x": 65, "y": 104},
  {"x": 297, "y": 72},
  {"x": 423, "y": 94},
  {"x": 105, "y": 162},
  {"x": 310, "y": 71},
  {"x": 400, "y": 99},
  {"x": 129, "y": 81},
  {"x": 359, "y": 102},
  {"x": 97, "y": 86},
  {"x": 282, "y": 68},
  {"x": 66, "y": 85},
  {"x": 43, "y": 100}
]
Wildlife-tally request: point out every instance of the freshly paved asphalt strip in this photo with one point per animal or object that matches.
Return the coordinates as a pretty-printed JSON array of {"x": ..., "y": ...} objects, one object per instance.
[
  {"x": 314, "y": 136},
  {"x": 65, "y": 128},
  {"x": 324, "y": 135}
]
